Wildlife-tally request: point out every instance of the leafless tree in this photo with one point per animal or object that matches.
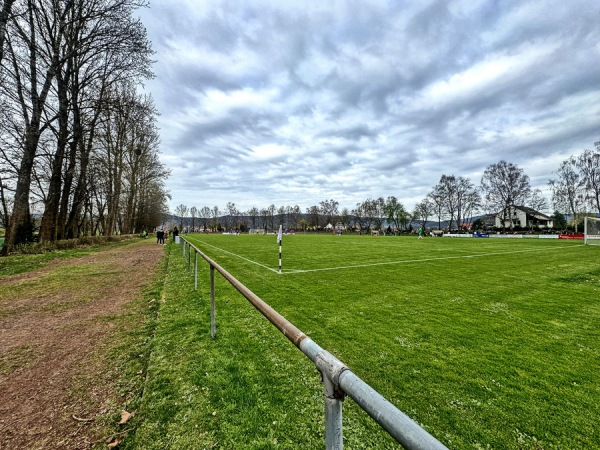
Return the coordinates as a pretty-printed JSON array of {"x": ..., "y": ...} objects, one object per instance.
[
  {"x": 538, "y": 201},
  {"x": 568, "y": 189},
  {"x": 193, "y": 215},
  {"x": 33, "y": 43},
  {"x": 281, "y": 216},
  {"x": 62, "y": 58},
  {"x": 271, "y": 215},
  {"x": 457, "y": 197},
  {"x": 395, "y": 212},
  {"x": 314, "y": 216},
  {"x": 505, "y": 185},
  {"x": 423, "y": 210},
  {"x": 215, "y": 218},
  {"x": 588, "y": 164},
  {"x": 181, "y": 211},
  {"x": 437, "y": 199},
  {"x": 205, "y": 215},
  {"x": 232, "y": 215},
  {"x": 294, "y": 215},
  {"x": 254, "y": 215},
  {"x": 329, "y": 211}
]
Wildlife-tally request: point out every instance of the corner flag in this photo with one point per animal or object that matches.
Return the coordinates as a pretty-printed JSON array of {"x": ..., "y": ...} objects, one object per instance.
[{"x": 279, "y": 236}]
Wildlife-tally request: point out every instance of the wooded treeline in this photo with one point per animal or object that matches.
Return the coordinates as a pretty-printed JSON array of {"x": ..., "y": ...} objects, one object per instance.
[
  {"x": 78, "y": 141},
  {"x": 453, "y": 200}
]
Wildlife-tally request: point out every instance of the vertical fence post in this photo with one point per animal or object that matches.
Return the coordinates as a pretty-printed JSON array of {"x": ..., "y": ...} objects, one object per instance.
[
  {"x": 189, "y": 258},
  {"x": 195, "y": 270},
  {"x": 334, "y": 438},
  {"x": 213, "y": 325}
]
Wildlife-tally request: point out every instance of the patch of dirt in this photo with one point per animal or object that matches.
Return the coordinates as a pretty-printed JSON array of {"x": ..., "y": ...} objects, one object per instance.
[{"x": 49, "y": 342}]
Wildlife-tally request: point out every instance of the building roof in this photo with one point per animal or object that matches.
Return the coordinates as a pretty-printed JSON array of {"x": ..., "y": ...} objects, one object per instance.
[{"x": 531, "y": 212}]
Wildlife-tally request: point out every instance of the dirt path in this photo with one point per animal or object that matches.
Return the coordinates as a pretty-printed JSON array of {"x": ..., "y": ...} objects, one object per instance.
[{"x": 54, "y": 325}]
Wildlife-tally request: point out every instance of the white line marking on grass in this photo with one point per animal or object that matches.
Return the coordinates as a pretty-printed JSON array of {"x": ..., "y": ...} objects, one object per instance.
[
  {"x": 240, "y": 256},
  {"x": 408, "y": 261}
]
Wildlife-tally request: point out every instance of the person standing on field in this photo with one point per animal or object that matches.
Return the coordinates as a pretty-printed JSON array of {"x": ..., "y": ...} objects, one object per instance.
[{"x": 420, "y": 232}]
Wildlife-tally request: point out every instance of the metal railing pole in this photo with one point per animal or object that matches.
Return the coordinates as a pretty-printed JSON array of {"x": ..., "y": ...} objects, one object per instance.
[
  {"x": 189, "y": 258},
  {"x": 213, "y": 313},
  {"x": 334, "y": 437},
  {"x": 195, "y": 270}
]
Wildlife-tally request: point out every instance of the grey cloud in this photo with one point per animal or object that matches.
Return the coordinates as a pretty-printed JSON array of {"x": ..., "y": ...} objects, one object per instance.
[{"x": 364, "y": 70}]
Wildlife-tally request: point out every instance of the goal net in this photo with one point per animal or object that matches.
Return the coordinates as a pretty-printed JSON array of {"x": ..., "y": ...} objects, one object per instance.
[{"x": 592, "y": 230}]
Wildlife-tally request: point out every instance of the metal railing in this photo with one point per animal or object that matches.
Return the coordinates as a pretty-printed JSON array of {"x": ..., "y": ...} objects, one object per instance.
[{"x": 338, "y": 380}]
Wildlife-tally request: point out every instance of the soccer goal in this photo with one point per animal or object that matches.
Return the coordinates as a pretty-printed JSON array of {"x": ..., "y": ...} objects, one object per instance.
[{"x": 592, "y": 230}]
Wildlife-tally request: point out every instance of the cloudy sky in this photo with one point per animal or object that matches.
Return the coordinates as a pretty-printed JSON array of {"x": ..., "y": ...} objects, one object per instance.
[{"x": 298, "y": 101}]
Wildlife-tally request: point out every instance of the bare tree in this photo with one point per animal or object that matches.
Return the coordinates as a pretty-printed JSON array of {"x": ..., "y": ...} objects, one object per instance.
[
  {"x": 457, "y": 197},
  {"x": 395, "y": 212},
  {"x": 264, "y": 218},
  {"x": 447, "y": 187},
  {"x": 437, "y": 198},
  {"x": 505, "y": 185},
  {"x": 232, "y": 215},
  {"x": 215, "y": 218},
  {"x": 61, "y": 59},
  {"x": 181, "y": 212},
  {"x": 281, "y": 216},
  {"x": 345, "y": 218},
  {"x": 568, "y": 189},
  {"x": 538, "y": 201},
  {"x": 205, "y": 215},
  {"x": 295, "y": 214},
  {"x": 423, "y": 210},
  {"x": 33, "y": 42},
  {"x": 254, "y": 215},
  {"x": 468, "y": 200},
  {"x": 193, "y": 215},
  {"x": 365, "y": 214},
  {"x": 314, "y": 216},
  {"x": 329, "y": 211},
  {"x": 588, "y": 164},
  {"x": 271, "y": 214}
]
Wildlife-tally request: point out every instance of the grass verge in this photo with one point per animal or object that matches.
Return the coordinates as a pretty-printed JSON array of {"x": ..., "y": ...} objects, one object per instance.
[
  {"x": 129, "y": 355},
  {"x": 247, "y": 389}
]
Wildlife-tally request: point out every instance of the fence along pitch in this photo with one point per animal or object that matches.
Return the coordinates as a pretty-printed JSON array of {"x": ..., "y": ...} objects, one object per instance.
[{"x": 338, "y": 379}]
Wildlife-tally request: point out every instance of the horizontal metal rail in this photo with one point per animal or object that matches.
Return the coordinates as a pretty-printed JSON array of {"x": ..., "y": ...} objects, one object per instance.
[{"x": 338, "y": 379}]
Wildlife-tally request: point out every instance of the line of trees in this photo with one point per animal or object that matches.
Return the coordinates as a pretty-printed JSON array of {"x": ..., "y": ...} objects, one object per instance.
[
  {"x": 576, "y": 186},
  {"x": 453, "y": 200},
  {"x": 78, "y": 142}
]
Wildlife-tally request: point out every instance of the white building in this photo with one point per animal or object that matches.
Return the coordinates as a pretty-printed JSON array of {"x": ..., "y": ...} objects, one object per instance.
[{"x": 522, "y": 216}]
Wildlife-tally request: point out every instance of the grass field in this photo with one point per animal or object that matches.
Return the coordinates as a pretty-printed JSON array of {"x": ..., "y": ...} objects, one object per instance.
[{"x": 487, "y": 343}]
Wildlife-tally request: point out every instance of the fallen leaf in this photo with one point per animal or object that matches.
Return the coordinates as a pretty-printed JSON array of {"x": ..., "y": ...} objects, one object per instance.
[
  {"x": 114, "y": 443},
  {"x": 125, "y": 416}
]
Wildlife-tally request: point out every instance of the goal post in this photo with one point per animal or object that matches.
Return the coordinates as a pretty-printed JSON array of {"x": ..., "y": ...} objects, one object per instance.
[{"x": 591, "y": 230}]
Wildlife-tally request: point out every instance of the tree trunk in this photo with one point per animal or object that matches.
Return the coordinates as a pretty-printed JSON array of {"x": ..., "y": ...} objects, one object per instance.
[
  {"x": 48, "y": 228},
  {"x": 4, "y": 14},
  {"x": 20, "y": 228}
]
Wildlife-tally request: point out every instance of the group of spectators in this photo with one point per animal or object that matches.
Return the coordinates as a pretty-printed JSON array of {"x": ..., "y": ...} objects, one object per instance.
[{"x": 162, "y": 234}]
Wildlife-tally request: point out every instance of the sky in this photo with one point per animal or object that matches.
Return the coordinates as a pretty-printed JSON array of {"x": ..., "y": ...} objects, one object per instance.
[{"x": 296, "y": 102}]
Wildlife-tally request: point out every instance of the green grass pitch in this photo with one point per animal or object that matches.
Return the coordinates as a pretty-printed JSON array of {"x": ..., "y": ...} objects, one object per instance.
[{"x": 487, "y": 343}]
